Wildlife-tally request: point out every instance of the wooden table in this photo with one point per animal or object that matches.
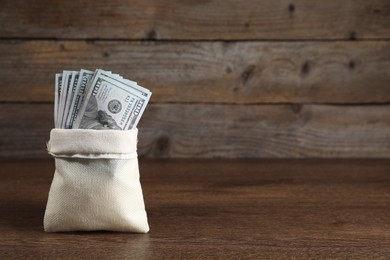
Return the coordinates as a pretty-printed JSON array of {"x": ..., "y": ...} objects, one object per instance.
[{"x": 217, "y": 209}]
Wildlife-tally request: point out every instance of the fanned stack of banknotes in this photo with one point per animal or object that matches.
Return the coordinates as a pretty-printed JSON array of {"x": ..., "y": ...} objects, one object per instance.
[{"x": 97, "y": 100}]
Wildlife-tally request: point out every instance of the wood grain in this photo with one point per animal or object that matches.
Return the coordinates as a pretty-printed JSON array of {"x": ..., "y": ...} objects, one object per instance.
[
  {"x": 197, "y": 20},
  {"x": 208, "y": 72},
  {"x": 219, "y": 209},
  {"x": 228, "y": 131}
]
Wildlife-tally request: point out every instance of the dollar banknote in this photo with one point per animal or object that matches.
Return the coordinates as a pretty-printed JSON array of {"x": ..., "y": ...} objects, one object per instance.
[
  {"x": 57, "y": 96},
  {"x": 111, "y": 103},
  {"x": 73, "y": 84},
  {"x": 84, "y": 76},
  {"x": 66, "y": 81},
  {"x": 98, "y": 100}
]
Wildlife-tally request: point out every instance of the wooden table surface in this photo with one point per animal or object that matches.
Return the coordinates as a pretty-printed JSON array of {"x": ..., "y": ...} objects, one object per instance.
[{"x": 217, "y": 209}]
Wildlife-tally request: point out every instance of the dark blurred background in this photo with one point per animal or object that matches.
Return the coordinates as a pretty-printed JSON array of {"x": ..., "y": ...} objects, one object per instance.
[{"x": 230, "y": 78}]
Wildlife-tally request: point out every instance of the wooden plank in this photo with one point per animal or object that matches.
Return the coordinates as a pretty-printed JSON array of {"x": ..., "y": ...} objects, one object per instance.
[
  {"x": 217, "y": 209},
  {"x": 197, "y": 20},
  {"x": 227, "y": 131},
  {"x": 235, "y": 72}
]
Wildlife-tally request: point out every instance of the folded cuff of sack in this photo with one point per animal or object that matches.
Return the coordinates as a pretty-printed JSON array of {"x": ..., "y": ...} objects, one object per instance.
[{"x": 89, "y": 143}]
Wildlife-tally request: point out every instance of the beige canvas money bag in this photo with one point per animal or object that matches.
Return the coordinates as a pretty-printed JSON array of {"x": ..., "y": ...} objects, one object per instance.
[{"x": 96, "y": 182}]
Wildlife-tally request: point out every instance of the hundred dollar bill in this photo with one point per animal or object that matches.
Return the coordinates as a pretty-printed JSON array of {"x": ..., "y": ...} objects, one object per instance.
[
  {"x": 132, "y": 85},
  {"x": 71, "y": 94},
  {"x": 99, "y": 72},
  {"x": 110, "y": 104},
  {"x": 66, "y": 77},
  {"x": 57, "y": 95},
  {"x": 83, "y": 80}
]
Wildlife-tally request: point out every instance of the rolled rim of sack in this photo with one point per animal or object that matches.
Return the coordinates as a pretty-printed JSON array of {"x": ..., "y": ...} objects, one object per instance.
[{"x": 92, "y": 143}]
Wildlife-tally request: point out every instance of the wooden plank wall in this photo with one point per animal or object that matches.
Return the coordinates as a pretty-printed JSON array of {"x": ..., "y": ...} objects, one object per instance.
[{"x": 256, "y": 79}]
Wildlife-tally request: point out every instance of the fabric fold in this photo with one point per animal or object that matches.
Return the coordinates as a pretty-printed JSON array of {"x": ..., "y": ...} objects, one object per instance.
[{"x": 93, "y": 143}]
